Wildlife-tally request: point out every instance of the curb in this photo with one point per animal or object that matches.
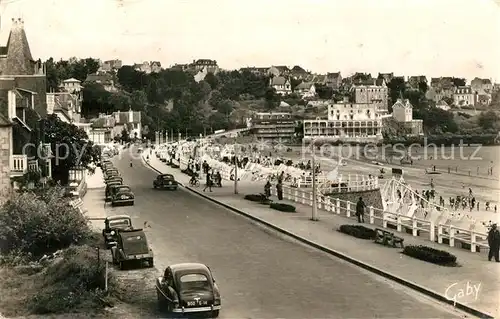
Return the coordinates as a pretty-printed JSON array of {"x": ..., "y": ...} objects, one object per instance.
[{"x": 373, "y": 269}]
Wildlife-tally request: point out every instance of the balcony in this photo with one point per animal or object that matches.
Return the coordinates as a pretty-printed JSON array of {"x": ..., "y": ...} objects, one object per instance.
[{"x": 20, "y": 165}]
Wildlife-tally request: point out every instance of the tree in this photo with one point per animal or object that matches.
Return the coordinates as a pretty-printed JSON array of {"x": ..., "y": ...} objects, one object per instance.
[
  {"x": 487, "y": 120},
  {"x": 138, "y": 100},
  {"x": 212, "y": 80},
  {"x": 272, "y": 99},
  {"x": 95, "y": 100},
  {"x": 129, "y": 78},
  {"x": 119, "y": 101},
  {"x": 125, "y": 136},
  {"x": 423, "y": 87},
  {"x": 70, "y": 147}
]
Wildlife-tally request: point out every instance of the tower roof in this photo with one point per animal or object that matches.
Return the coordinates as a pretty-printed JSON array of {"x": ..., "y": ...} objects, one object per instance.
[{"x": 17, "y": 59}]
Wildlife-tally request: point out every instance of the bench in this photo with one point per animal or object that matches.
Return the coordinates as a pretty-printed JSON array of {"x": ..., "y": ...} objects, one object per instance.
[{"x": 387, "y": 238}]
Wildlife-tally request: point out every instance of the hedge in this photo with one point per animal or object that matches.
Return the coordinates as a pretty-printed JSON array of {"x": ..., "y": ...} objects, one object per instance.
[
  {"x": 358, "y": 231},
  {"x": 435, "y": 256},
  {"x": 259, "y": 198},
  {"x": 283, "y": 207}
]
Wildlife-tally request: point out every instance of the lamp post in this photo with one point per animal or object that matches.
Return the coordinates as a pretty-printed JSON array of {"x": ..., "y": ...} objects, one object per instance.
[
  {"x": 314, "y": 213},
  {"x": 235, "y": 169}
]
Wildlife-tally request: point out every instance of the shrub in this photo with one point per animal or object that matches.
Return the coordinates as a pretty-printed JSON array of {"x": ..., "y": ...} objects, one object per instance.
[
  {"x": 40, "y": 223},
  {"x": 259, "y": 198},
  {"x": 435, "y": 256},
  {"x": 72, "y": 283},
  {"x": 358, "y": 231},
  {"x": 283, "y": 207}
]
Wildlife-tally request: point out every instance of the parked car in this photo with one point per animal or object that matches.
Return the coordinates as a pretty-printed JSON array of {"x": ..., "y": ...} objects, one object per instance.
[
  {"x": 109, "y": 186},
  {"x": 114, "y": 179},
  {"x": 165, "y": 181},
  {"x": 122, "y": 195},
  {"x": 188, "y": 288},
  {"x": 111, "y": 172},
  {"x": 112, "y": 225},
  {"x": 131, "y": 246}
]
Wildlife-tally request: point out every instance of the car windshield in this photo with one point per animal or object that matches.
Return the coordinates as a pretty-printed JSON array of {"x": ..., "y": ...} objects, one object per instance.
[
  {"x": 168, "y": 177},
  {"x": 119, "y": 223},
  {"x": 195, "y": 282},
  {"x": 122, "y": 189}
]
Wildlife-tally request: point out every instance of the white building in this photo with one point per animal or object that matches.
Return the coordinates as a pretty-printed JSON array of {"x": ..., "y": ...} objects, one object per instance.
[
  {"x": 281, "y": 85},
  {"x": 347, "y": 122},
  {"x": 131, "y": 121},
  {"x": 306, "y": 90},
  {"x": 402, "y": 112},
  {"x": 71, "y": 85},
  {"x": 464, "y": 96},
  {"x": 276, "y": 126}
]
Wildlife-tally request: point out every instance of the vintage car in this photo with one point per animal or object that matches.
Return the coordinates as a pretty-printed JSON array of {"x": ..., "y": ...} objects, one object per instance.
[
  {"x": 111, "y": 172},
  {"x": 112, "y": 225},
  {"x": 165, "y": 181},
  {"x": 188, "y": 288},
  {"x": 109, "y": 186},
  {"x": 131, "y": 247},
  {"x": 114, "y": 179},
  {"x": 123, "y": 195}
]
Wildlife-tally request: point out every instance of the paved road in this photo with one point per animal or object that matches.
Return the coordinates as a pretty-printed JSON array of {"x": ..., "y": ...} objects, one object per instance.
[{"x": 260, "y": 274}]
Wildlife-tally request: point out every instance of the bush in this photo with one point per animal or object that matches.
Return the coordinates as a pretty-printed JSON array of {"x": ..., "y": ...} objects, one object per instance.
[
  {"x": 41, "y": 223},
  {"x": 358, "y": 231},
  {"x": 283, "y": 207},
  {"x": 259, "y": 198},
  {"x": 435, "y": 256},
  {"x": 72, "y": 283}
]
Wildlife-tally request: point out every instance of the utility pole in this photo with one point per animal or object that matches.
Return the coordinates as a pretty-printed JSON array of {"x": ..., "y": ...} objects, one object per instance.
[
  {"x": 235, "y": 169},
  {"x": 314, "y": 213}
]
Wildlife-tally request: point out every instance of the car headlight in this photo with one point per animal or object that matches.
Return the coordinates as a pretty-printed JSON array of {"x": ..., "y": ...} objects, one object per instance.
[{"x": 113, "y": 232}]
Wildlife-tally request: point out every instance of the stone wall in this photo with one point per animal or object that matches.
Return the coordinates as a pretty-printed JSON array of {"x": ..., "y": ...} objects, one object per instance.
[
  {"x": 5, "y": 186},
  {"x": 370, "y": 197}
]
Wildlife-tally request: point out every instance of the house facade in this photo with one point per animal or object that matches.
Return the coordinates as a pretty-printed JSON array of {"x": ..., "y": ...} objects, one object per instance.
[
  {"x": 334, "y": 80},
  {"x": 402, "y": 112},
  {"x": 5, "y": 156},
  {"x": 71, "y": 86},
  {"x": 346, "y": 122},
  {"x": 279, "y": 70},
  {"x": 281, "y": 85},
  {"x": 22, "y": 104},
  {"x": 65, "y": 105},
  {"x": 376, "y": 94},
  {"x": 297, "y": 72},
  {"x": 130, "y": 121},
  {"x": 106, "y": 80},
  {"x": 464, "y": 96},
  {"x": 273, "y": 126},
  {"x": 200, "y": 64},
  {"x": 481, "y": 86},
  {"x": 306, "y": 90}
]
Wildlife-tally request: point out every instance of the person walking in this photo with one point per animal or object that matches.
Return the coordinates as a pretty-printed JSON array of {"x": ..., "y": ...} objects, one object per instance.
[
  {"x": 279, "y": 190},
  {"x": 267, "y": 189},
  {"x": 494, "y": 243},
  {"x": 209, "y": 183},
  {"x": 360, "y": 210}
]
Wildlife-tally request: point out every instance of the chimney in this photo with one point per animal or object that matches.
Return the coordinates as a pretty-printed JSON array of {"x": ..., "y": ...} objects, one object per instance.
[
  {"x": 117, "y": 116},
  {"x": 131, "y": 116}
]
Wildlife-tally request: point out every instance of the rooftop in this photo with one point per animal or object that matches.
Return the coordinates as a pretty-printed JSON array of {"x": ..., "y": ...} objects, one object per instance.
[{"x": 15, "y": 57}]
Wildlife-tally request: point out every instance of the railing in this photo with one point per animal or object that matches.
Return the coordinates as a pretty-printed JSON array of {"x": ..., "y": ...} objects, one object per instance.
[
  {"x": 33, "y": 165},
  {"x": 19, "y": 163},
  {"x": 403, "y": 223}
]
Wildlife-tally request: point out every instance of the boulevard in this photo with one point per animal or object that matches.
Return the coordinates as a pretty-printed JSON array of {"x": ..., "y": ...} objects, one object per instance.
[{"x": 260, "y": 274}]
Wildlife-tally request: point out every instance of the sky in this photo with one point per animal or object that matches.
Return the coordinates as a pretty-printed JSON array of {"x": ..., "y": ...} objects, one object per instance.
[{"x": 408, "y": 37}]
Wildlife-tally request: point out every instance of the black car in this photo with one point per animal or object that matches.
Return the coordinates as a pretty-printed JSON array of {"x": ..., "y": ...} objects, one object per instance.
[
  {"x": 109, "y": 187},
  {"x": 122, "y": 195},
  {"x": 131, "y": 247},
  {"x": 188, "y": 288},
  {"x": 112, "y": 225},
  {"x": 165, "y": 181}
]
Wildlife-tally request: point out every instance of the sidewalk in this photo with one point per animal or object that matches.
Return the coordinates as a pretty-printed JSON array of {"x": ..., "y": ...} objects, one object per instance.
[
  {"x": 475, "y": 269},
  {"x": 93, "y": 201}
]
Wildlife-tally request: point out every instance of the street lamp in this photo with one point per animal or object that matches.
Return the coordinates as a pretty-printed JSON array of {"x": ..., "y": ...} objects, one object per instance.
[{"x": 314, "y": 213}]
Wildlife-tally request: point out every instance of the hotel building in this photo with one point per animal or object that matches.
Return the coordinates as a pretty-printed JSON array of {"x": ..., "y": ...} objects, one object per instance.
[
  {"x": 347, "y": 122},
  {"x": 273, "y": 126}
]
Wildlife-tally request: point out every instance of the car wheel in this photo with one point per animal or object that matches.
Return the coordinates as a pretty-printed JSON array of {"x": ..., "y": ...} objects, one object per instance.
[
  {"x": 215, "y": 313},
  {"x": 154, "y": 186},
  {"x": 162, "y": 303},
  {"x": 122, "y": 265}
]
